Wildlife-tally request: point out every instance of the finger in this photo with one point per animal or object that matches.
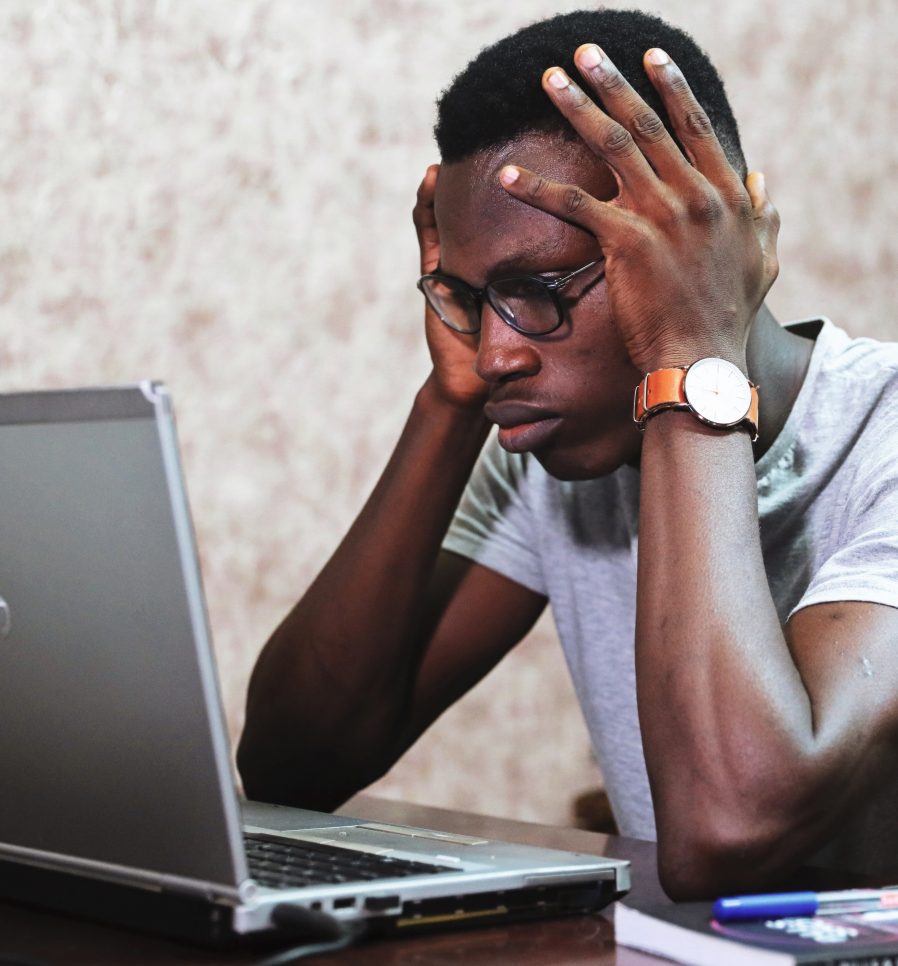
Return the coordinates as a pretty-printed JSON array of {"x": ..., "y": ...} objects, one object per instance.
[
  {"x": 611, "y": 224},
  {"x": 630, "y": 110},
  {"x": 766, "y": 221},
  {"x": 603, "y": 135},
  {"x": 689, "y": 120},
  {"x": 424, "y": 218}
]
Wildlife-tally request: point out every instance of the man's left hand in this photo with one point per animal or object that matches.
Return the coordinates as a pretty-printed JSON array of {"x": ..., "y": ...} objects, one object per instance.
[{"x": 690, "y": 251}]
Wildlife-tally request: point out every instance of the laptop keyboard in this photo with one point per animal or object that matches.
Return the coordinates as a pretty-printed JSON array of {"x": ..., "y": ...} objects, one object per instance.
[{"x": 280, "y": 864}]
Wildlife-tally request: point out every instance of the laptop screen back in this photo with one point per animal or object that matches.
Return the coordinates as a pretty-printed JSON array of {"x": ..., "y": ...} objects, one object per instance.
[{"x": 107, "y": 750}]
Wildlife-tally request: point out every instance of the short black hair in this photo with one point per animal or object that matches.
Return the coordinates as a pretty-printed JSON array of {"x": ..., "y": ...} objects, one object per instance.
[{"x": 498, "y": 96}]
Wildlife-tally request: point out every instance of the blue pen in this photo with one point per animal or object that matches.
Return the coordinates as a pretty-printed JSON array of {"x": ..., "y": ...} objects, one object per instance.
[{"x": 784, "y": 905}]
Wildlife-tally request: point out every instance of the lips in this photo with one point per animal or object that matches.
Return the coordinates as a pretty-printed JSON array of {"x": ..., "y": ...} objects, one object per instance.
[{"x": 522, "y": 426}]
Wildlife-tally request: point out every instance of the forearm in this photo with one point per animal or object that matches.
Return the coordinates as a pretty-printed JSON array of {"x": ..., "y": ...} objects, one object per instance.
[
  {"x": 732, "y": 747},
  {"x": 330, "y": 690}
]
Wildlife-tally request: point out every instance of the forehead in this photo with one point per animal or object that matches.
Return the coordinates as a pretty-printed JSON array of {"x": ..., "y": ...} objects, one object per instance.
[{"x": 482, "y": 228}]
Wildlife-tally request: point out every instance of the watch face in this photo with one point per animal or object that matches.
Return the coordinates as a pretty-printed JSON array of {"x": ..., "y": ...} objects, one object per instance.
[{"x": 717, "y": 391}]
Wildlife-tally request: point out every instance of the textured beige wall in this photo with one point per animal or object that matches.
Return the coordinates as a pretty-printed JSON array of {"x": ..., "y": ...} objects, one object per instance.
[{"x": 185, "y": 186}]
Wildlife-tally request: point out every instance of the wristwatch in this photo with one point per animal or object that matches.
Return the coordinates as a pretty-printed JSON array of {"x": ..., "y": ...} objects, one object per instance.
[{"x": 715, "y": 391}]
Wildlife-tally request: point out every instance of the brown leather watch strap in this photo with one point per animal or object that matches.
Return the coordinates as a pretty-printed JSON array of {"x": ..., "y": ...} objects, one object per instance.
[{"x": 659, "y": 390}]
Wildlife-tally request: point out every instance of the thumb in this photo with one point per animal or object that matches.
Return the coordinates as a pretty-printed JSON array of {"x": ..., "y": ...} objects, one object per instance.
[
  {"x": 766, "y": 221},
  {"x": 425, "y": 221}
]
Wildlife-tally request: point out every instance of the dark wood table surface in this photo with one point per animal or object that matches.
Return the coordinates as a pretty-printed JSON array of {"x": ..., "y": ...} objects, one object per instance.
[{"x": 29, "y": 935}]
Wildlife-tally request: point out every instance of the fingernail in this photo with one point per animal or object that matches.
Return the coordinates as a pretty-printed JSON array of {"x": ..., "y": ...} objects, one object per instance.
[
  {"x": 658, "y": 57},
  {"x": 590, "y": 56},
  {"x": 755, "y": 182},
  {"x": 508, "y": 175},
  {"x": 558, "y": 79}
]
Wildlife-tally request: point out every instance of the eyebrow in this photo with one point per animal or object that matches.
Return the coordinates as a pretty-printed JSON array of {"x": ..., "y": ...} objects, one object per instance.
[{"x": 511, "y": 266}]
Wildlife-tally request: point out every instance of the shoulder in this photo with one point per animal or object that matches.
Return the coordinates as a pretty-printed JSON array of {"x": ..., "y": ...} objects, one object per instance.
[
  {"x": 849, "y": 402},
  {"x": 870, "y": 363}
]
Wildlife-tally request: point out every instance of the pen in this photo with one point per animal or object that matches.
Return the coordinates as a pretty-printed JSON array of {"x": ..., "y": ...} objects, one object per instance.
[{"x": 787, "y": 904}]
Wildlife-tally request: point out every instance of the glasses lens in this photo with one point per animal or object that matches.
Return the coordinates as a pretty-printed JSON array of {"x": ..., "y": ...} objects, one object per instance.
[
  {"x": 455, "y": 305},
  {"x": 525, "y": 304}
]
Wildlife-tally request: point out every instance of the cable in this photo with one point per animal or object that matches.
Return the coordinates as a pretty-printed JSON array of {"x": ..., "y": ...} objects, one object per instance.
[
  {"x": 301, "y": 952},
  {"x": 331, "y": 934}
]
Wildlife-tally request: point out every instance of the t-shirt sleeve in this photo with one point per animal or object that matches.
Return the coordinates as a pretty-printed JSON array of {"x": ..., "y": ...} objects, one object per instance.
[
  {"x": 494, "y": 523},
  {"x": 864, "y": 563}
]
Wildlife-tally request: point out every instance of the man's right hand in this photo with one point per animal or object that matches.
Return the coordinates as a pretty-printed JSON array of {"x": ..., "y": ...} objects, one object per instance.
[{"x": 453, "y": 353}]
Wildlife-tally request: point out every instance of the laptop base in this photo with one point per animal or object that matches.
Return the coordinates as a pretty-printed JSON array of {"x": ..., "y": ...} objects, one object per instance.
[{"x": 197, "y": 921}]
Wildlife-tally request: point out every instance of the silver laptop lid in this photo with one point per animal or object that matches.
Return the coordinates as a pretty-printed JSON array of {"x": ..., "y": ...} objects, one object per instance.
[{"x": 112, "y": 746}]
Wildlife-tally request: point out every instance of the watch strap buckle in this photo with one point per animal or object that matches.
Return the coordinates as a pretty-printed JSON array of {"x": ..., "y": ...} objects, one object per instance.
[{"x": 659, "y": 390}]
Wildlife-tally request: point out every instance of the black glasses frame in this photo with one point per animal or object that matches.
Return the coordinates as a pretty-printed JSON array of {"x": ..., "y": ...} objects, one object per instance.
[{"x": 552, "y": 287}]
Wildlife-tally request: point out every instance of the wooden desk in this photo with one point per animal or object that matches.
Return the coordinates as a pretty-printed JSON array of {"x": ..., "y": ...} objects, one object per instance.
[{"x": 31, "y": 935}]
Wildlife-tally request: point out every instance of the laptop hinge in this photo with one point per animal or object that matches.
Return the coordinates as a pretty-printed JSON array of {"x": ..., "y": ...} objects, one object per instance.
[{"x": 122, "y": 875}]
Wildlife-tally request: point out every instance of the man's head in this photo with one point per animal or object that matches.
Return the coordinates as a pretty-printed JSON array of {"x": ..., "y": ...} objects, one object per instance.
[
  {"x": 498, "y": 96},
  {"x": 566, "y": 396}
]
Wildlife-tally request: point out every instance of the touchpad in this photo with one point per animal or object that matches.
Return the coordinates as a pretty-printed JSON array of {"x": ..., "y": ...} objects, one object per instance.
[
  {"x": 390, "y": 838},
  {"x": 281, "y": 818}
]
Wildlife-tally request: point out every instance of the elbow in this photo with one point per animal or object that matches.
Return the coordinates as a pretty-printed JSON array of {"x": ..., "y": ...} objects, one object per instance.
[
  {"x": 309, "y": 774},
  {"x": 709, "y": 865},
  {"x": 254, "y": 776},
  {"x": 258, "y": 774},
  {"x": 700, "y": 867},
  {"x": 747, "y": 822},
  {"x": 272, "y": 767},
  {"x": 264, "y": 771},
  {"x": 256, "y": 762},
  {"x": 268, "y": 778},
  {"x": 296, "y": 752},
  {"x": 721, "y": 848}
]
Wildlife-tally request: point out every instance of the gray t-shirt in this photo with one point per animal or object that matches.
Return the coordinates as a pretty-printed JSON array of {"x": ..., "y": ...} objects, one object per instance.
[{"x": 828, "y": 507}]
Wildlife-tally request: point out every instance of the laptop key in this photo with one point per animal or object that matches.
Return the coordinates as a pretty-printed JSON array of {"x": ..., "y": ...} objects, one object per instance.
[{"x": 280, "y": 863}]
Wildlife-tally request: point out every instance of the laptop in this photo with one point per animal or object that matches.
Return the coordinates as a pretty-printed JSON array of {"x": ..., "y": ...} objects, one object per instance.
[{"x": 119, "y": 800}]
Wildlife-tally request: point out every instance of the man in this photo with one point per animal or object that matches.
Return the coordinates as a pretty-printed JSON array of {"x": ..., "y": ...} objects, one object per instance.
[{"x": 740, "y": 681}]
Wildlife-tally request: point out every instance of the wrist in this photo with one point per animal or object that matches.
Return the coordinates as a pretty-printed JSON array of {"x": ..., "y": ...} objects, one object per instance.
[
  {"x": 686, "y": 357},
  {"x": 685, "y": 353}
]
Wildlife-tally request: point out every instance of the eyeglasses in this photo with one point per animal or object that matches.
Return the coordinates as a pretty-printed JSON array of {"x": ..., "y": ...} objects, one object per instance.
[{"x": 528, "y": 303}]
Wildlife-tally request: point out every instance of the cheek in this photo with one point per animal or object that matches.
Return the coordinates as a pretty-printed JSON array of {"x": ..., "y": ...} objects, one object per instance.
[{"x": 594, "y": 364}]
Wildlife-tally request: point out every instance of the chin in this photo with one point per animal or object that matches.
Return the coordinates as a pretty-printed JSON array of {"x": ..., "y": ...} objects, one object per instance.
[{"x": 590, "y": 460}]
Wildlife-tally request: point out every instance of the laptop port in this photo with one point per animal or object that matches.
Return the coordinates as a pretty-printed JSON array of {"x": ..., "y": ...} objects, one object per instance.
[
  {"x": 346, "y": 903},
  {"x": 381, "y": 903}
]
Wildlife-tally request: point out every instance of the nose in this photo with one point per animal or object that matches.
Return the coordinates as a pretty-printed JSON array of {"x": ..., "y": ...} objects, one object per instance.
[{"x": 502, "y": 353}]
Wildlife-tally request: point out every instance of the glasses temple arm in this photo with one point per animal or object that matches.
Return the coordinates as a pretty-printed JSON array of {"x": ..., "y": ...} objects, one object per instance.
[{"x": 554, "y": 286}]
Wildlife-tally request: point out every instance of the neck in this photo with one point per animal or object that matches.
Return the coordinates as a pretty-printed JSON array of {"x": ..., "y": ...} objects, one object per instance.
[{"x": 778, "y": 362}]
